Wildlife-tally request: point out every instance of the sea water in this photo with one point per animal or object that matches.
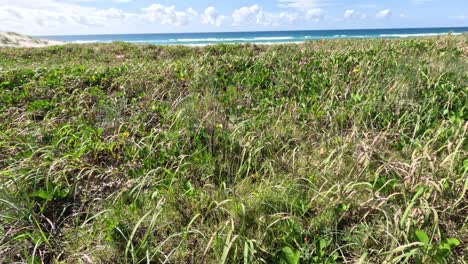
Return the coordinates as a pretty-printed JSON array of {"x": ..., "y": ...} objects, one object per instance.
[{"x": 263, "y": 37}]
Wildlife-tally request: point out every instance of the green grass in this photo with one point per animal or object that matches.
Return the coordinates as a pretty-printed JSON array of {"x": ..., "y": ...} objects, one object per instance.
[{"x": 325, "y": 152}]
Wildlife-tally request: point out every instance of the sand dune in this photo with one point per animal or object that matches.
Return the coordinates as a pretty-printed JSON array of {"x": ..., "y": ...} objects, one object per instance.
[{"x": 15, "y": 40}]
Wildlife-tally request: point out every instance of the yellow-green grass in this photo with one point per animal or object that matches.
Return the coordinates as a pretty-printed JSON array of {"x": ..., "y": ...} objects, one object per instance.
[{"x": 346, "y": 151}]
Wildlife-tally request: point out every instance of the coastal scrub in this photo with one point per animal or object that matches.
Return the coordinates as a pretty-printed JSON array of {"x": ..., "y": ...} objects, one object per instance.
[{"x": 324, "y": 152}]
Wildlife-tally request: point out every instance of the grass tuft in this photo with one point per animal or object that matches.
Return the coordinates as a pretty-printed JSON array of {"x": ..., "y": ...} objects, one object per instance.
[{"x": 324, "y": 152}]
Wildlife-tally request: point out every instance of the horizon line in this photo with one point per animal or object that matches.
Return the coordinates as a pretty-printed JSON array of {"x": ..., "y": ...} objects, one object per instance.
[{"x": 256, "y": 31}]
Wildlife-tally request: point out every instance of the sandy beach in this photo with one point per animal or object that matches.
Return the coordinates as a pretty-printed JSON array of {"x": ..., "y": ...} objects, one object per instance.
[{"x": 15, "y": 40}]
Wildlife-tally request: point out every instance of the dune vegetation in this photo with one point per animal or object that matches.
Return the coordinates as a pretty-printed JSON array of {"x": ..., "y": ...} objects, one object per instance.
[
  {"x": 15, "y": 40},
  {"x": 333, "y": 151}
]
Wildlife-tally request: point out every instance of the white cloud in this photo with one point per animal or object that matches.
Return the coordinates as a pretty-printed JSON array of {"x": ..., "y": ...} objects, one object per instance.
[
  {"x": 367, "y": 5},
  {"x": 421, "y": 2},
  {"x": 315, "y": 14},
  {"x": 350, "y": 13},
  {"x": 48, "y": 17},
  {"x": 45, "y": 17},
  {"x": 90, "y": 1},
  {"x": 353, "y": 14},
  {"x": 111, "y": 13},
  {"x": 303, "y": 4},
  {"x": 275, "y": 19},
  {"x": 249, "y": 15},
  {"x": 267, "y": 19},
  {"x": 386, "y": 13},
  {"x": 246, "y": 15},
  {"x": 167, "y": 15},
  {"x": 311, "y": 9},
  {"x": 459, "y": 18},
  {"x": 9, "y": 12},
  {"x": 59, "y": 15},
  {"x": 51, "y": 16},
  {"x": 289, "y": 17},
  {"x": 212, "y": 17}
]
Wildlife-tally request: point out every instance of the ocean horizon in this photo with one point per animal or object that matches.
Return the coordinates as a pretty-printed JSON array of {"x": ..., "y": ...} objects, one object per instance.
[{"x": 257, "y": 37}]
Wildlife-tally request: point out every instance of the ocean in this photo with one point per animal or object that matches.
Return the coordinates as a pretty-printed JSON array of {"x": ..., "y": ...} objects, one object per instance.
[{"x": 263, "y": 37}]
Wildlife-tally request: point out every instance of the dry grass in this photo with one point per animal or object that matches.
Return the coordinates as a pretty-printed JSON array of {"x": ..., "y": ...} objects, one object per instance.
[{"x": 348, "y": 151}]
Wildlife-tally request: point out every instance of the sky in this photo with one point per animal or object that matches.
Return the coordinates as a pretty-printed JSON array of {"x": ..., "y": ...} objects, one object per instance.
[{"x": 75, "y": 17}]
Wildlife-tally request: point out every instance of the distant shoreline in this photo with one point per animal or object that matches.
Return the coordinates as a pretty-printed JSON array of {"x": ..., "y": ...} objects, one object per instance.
[
  {"x": 261, "y": 37},
  {"x": 15, "y": 40},
  {"x": 262, "y": 31}
]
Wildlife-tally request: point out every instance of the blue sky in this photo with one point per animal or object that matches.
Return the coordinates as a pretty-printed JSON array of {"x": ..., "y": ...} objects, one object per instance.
[{"x": 68, "y": 17}]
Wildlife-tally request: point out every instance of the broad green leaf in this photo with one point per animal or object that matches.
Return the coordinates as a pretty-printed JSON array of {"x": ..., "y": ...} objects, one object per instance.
[
  {"x": 453, "y": 242},
  {"x": 290, "y": 256},
  {"x": 323, "y": 244},
  {"x": 442, "y": 253},
  {"x": 42, "y": 194},
  {"x": 33, "y": 260},
  {"x": 61, "y": 193},
  {"x": 422, "y": 236}
]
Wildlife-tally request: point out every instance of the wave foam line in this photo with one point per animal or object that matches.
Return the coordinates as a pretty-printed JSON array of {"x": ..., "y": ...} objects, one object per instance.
[
  {"x": 233, "y": 39},
  {"x": 418, "y": 35},
  {"x": 212, "y": 39}
]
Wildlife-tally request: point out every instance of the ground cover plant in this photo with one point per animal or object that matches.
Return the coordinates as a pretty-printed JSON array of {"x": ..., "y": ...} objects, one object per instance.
[{"x": 333, "y": 151}]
